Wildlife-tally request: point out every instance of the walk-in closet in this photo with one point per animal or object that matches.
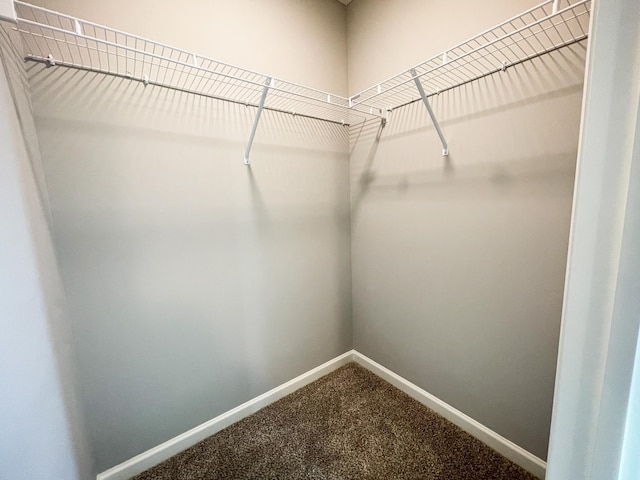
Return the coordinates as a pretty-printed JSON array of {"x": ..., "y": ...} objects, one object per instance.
[{"x": 319, "y": 239}]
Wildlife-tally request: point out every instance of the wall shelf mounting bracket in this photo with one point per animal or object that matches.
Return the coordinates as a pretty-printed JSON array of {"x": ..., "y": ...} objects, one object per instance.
[
  {"x": 423, "y": 95},
  {"x": 265, "y": 90}
]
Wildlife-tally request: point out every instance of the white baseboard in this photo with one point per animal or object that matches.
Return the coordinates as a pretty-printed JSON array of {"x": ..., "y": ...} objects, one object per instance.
[
  {"x": 168, "y": 449},
  {"x": 507, "y": 448}
]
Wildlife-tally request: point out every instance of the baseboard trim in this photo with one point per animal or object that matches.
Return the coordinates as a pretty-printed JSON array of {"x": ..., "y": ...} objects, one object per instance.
[
  {"x": 507, "y": 448},
  {"x": 168, "y": 449}
]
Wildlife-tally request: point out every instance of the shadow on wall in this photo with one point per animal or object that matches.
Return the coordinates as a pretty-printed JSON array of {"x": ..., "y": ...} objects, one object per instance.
[
  {"x": 193, "y": 281},
  {"x": 491, "y": 141},
  {"x": 100, "y": 99},
  {"x": 459, "y": 263}
]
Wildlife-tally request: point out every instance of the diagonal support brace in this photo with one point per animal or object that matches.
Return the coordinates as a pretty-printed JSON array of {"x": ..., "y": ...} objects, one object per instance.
[
  {"x": 265, "y": 90},
  {"x": 445, "y": 147}
]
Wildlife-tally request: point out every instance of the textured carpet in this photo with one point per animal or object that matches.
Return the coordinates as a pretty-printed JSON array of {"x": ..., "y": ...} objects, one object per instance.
[{"x": 349, "y": 424}]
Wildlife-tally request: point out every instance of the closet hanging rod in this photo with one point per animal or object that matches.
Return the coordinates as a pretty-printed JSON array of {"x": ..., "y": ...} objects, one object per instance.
[
  {"x": 488, "y": 73},
  {"x": 537, "y": 31},
  {"x": 183, "y": 90},
  {"x": 52, "y": 60}
]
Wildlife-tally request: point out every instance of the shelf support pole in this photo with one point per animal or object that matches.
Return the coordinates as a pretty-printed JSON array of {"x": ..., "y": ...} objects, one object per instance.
[
  {"x": 445, "y": 147},
  {"x": 265, "y": 90}
]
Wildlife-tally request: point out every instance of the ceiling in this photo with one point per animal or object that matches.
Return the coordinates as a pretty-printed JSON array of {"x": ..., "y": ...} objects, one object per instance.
[{"x": 345, "y": 2}]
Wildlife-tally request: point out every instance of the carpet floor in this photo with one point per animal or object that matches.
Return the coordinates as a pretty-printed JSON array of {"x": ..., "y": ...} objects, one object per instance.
[{"x": 349, "y": 424}]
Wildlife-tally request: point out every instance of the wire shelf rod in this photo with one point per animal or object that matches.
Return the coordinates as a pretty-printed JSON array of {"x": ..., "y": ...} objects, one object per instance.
[
  {"x": 192, "y": 92},
  {"x": 520, "y": 59},
  {"x": 323, "y": 94},
  {"x": 286, "y": 105},
  {"x": 233, "y": 84},
  {"x": 115, "y": 45},
  {"x": 396, "y": 81},
  {"x": 487, "y": 74},
  {"x": 475, "y": 37}
]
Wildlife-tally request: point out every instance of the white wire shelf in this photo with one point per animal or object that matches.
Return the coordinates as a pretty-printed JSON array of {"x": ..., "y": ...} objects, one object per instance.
[
  {"x": 58, "y": 39},
  {"x": 539, "y": 30}
]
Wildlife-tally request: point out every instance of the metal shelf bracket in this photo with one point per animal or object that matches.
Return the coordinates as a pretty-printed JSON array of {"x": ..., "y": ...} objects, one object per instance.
[
  {"x": 423, "y": 95},
  {"x": 265, "y": 90}
]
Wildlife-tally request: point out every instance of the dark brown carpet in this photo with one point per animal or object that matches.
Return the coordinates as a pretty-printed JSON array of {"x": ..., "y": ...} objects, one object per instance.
[{"x": 349, "y": 424}]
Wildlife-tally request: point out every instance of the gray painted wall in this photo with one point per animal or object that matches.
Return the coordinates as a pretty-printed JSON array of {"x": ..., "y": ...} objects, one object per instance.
[
  {"x": 42, "y": 434},
  {"x": 195, "y": 283},
  {"x": 458, "y": 264}
]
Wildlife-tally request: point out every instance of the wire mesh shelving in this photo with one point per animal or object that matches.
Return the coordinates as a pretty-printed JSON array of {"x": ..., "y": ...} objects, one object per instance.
[
  {"x": 537, "y": 31},
  {"x": 59, "y": 39}
]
